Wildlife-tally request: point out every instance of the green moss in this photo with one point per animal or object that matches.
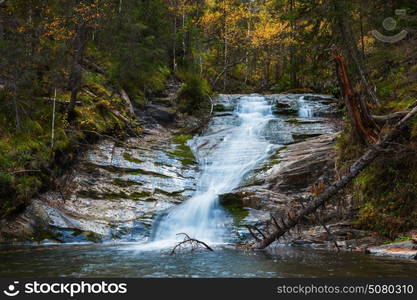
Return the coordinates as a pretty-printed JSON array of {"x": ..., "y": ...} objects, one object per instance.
[
  {"x": 159, "y": 191},
  {"x": 222, "y": 108},
  {"x": 139, "y": 195},
  {"x": 386, "y": 191},
  {"x": 115, "y": 196},
  {"x": 47, "y": 234},
  {"x": 92, "y": 236},
  {"x": 132, "y": 159},
  {"x": 125, "y": 183},
  {"x": 275, "y": 159},
  {"x": 399, "y": 239},
  {"x": 233, "y": 203},
  {"x": 89, "y": 194},
  {"x": 387, "y": 194},
  {"x": 181, "y": 139},
  {"x": 293, "y": 121},
  {"x": 219, "y": 108},
  {"x": 182, "y": 150},
  {"x": 238, "y": 212},
  {"x": 150, "y": 199},
  {"x": 143, "y": 172}
]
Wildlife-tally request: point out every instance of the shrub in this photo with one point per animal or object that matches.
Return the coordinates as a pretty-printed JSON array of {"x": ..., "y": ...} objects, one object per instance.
[{"x": 193, "y": 94}]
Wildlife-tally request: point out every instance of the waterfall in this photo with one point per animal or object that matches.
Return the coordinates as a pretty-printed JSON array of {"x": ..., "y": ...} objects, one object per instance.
[
  {"x": 305, "y": 110},
  {"x": 242, "y": 148}
]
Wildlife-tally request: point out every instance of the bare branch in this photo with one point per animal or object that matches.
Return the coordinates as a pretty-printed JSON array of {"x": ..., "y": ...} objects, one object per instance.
[{"x": 193, "y": 244}]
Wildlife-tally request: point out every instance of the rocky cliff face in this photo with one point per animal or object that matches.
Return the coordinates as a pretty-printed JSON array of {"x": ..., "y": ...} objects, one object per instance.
[{"x": 113, "y": 193}]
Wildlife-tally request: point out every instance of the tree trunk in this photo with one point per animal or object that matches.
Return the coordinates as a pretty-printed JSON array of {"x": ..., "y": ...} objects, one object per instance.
[
  {"x": 338, "y": 185},
  {"x": 344, "y": 28},
  {"x": 359, "y": 115},
  {"x": 76, "y": 68}
]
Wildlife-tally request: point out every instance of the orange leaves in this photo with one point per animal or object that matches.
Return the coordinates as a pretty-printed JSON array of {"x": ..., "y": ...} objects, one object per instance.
[
  {"x": 90, "y": 14},
  {"x": 62, "y": 27},
  {"x": 57, "y": 30}
]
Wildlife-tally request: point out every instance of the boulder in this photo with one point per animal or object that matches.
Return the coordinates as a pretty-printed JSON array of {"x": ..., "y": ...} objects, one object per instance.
[
  {"x": 282, "y": 108},
  {"x": 161, "y": 113}
]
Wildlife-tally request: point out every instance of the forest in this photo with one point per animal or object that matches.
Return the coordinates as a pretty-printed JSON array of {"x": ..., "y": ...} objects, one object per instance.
[{"x": 75, "y": 72}]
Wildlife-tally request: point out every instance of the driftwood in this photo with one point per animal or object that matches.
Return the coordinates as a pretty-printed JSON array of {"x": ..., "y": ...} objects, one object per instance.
[
  {"x": 368, "y": 157},
  {"x": 190, "y": 244}
]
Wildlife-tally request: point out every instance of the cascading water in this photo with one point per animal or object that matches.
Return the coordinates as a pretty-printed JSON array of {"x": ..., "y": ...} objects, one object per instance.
[
  {"x": 223, "y": 169},
  {"x": 305, "y": 110}
]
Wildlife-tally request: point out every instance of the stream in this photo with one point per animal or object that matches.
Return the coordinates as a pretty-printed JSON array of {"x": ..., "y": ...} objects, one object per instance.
[{"x": 238, "y": 141}]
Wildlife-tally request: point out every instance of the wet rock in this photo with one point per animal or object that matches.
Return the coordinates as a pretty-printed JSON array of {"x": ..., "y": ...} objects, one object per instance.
[
  {"x": 321, "y": 98},
  {"x": 295, "y": 167},
  {"x": 115, "y": 192},
  {"x": 406, "y": 250},
  {"x": 161, "y": 113},
  {"x": 285, "y": 109}
]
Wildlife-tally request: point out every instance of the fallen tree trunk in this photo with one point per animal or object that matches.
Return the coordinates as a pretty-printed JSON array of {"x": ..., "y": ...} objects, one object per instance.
[{"x": 333, "y": 189}]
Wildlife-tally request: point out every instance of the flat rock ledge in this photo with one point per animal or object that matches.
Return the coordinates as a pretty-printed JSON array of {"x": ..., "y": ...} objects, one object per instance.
[{"x": 405, "y": 250}]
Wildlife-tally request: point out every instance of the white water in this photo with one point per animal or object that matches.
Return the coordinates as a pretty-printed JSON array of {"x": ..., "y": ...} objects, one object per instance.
[
  {"x": 242, "y": 148},
  {"x": 305, "y": 110}
]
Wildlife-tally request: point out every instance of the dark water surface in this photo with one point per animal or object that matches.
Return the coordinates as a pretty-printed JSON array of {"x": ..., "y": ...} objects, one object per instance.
[{"x": 128, "y": 261}]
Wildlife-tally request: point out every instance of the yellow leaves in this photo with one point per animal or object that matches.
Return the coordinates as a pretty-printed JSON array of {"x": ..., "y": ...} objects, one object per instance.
[
  {"x": 181, "y": 7},
  {"x": 89, "y": 14},
  {"x": 209, "y": 19},
  {"x": 21, "y": 29},
  {"x": 57, "y": 30},
  {"x": 60, "y": 27},
  {"x": 369, "y": 42},
  {"x": 269, "y": 31}
]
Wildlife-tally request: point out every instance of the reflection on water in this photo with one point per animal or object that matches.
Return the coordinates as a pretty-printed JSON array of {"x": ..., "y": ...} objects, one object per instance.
[{"x": 125, "y": 261}]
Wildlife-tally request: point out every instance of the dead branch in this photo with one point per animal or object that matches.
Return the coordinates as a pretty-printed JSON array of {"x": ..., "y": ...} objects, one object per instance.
[
  {"x": 190, "y": 244},
  {"x": 367, "y": 158},
  {"x": 225, "y": 68},
  {"x": 252, "y": 233},
  {"x": 93, "y": 66},
  {"x": 391, "y": 118},
  {"x": 359, "y": 115}
]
